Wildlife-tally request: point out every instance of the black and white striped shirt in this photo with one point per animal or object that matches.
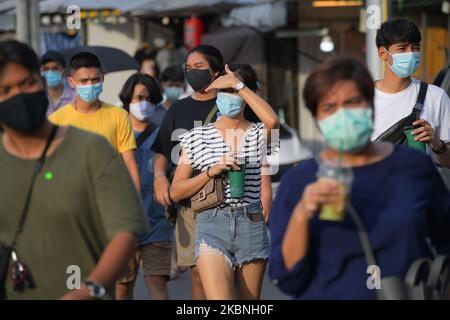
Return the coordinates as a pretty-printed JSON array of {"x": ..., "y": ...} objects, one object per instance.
[{"x": 205, "y": 147}]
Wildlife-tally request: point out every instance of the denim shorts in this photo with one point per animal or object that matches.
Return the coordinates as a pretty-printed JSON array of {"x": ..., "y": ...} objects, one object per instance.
[{"x": 239, "y": 234}]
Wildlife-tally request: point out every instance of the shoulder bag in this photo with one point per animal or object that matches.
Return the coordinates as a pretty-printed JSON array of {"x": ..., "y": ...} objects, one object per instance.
[
  {"x": 426, "y": 279},
  {"x": 395, "y": 133},
  {"x": 211, "y": 194}
]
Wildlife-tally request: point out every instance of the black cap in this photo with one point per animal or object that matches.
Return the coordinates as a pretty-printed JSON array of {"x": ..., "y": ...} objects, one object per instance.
[{"x": 53, "y": 56}]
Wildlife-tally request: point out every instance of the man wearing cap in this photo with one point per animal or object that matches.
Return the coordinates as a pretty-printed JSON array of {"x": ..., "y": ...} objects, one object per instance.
[{"x": 59, "y": 92}]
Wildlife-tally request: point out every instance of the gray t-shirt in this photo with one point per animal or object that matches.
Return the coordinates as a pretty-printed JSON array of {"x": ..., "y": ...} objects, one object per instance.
[{"x": 82, "y": 198}]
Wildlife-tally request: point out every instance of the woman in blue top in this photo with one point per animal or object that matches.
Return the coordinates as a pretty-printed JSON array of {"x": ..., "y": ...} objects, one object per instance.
[
  {"x": 140, "y": 95},
  {"x": 398, "y": 193}
]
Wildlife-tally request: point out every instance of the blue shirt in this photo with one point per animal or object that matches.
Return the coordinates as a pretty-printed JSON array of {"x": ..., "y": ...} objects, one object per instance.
[
  {"x": 67, "y": 97},
  {"x": 160, "y": 228},
  {"x": 158, "y": 116},
  {"x": 403, "y": 204}
]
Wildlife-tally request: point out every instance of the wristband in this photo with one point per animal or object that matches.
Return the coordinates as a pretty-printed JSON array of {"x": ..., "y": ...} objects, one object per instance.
[{"x": 442, "y": 149}]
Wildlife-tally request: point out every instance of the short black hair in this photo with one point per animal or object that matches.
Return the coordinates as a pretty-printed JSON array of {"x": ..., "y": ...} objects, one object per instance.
[
  {"x": 145, "y": 53},
  {"x": 154, "y": 90},
  {"x": 212, "y": 55},
  {"x": 173, "y": 73},
  {"x": 326, "y": 75},
  {"x": 397, "y": 31},
  {"x": 13, "y": 51},
  {"x": 85, "y": 60},
  {"x": 53, "y": 56}
]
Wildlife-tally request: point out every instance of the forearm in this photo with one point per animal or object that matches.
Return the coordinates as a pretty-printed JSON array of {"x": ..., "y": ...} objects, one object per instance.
[
  {"x": 114, "y": 259},
  {"x": 186, "y": 188},
  {"x": 266, "y": 194},
  {"x": 130, "y": 164},
  {"x": 261, "y": 108},
  {"x": 266, "y": 201},
  {"x": 110, "y": 266},
  {"x": 295, "y": 241},
  {"x": 160, "y": 164},
  {"x": 134, "y": 173}
]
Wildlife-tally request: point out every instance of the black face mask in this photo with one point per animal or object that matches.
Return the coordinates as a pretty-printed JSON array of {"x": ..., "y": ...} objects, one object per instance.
[
  {"x": 24, "y": 112},
  {"x": 199, "y": 79}
]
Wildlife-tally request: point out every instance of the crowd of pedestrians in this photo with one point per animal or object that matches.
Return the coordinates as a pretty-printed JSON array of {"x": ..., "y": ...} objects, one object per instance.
[{"x": 177, "y": 177}]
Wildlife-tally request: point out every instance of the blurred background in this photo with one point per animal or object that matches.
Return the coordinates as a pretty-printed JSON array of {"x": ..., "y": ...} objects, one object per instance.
[{"x": 282, "y": 39}]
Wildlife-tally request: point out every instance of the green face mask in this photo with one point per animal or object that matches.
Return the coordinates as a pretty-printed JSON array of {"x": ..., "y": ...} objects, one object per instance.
[{"x": 348, "y": 129}]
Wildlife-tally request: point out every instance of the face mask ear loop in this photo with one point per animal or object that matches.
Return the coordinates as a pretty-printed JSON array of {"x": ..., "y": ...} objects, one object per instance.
[{"x": 389, "y": 65}]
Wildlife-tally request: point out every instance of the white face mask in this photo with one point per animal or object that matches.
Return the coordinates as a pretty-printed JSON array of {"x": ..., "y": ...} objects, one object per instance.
[{"x": 142, "y": 110}]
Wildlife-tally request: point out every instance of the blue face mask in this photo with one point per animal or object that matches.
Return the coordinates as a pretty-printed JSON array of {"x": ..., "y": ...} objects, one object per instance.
[
  {"x": 229, "y": 105},
  {"x": 173, "y": 93},
  {"x": 53, "y": 78},
  {"x": 348, "y": 129},
  {"x": 90, "y": 92},
  {"x": 404, "y": 64}
]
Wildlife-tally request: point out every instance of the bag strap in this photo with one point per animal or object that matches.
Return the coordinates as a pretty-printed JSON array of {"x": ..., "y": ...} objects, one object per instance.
[
  {"x": 439, "y": 265},
  {"x": 145, "y": 134},
  {"x": 37, "y": 169},
  {"x": 420, "y": 99},
  {"x": 210, "y": 115},
  {"x": 208, "y": 119},
  {"x": 363, "y": 236},
  {"x": 434, "y": 267},
  {"x": 364, "y": 240},
  {"x": 406, "y": 121}
]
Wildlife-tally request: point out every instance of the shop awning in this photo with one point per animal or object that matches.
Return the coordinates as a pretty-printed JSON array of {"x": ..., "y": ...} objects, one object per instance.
[
  {"x": 54, "y": 6},
  {"x": 184, "y": 7},
  {"x": 148, "y": 7}
]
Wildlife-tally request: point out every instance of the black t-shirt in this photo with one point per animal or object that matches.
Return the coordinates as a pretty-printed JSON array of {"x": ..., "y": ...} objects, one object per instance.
[{"x": 181, "y": 117}]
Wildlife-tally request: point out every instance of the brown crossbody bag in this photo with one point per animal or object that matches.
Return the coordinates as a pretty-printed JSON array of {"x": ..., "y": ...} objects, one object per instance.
[{"x": 211, "y": 194}]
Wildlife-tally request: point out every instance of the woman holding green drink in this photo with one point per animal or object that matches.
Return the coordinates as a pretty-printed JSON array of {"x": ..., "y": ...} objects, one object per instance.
[
  {"x": 232, "y": 243},
  {"x": 397, "y": 192}
]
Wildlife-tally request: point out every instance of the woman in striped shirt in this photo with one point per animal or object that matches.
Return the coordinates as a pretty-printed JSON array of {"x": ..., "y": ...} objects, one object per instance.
[{"x": 231, "y": 240}]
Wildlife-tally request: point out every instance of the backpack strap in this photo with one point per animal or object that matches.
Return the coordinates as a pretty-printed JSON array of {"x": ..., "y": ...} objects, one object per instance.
[
  {"x": 145, "y": 134},
  {"x": 210, "y": 115},
  {"x": 37, "y": 169}
]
